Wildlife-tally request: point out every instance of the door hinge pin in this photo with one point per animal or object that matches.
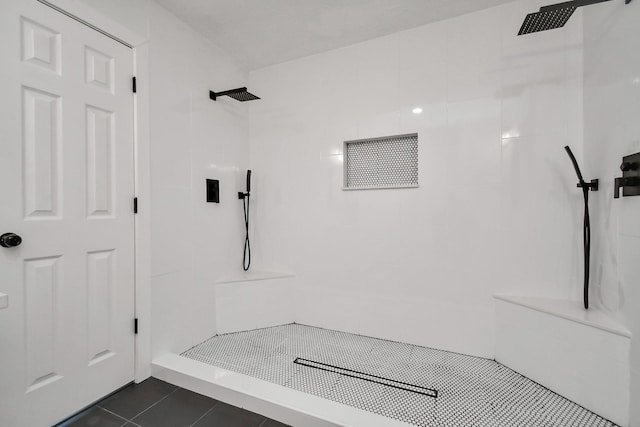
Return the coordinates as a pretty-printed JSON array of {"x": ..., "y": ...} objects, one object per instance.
[
  {"x": 135, "y": 326},
  {"x": 135, "y": 205},
  {"x": 134, "y": 85}
]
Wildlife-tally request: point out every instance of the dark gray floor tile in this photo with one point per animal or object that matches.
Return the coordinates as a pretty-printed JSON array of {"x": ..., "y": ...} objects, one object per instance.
[
  {"x": 273, "y": 423},
  {"x": 224, "y": 415},
  {"x": 180, "y": 409},
  {"x": 94, "y": 417},
  {"x": 136, "y": 398}
]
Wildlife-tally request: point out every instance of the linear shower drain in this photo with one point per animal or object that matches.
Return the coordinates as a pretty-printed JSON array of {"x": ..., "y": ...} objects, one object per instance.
[{"x": 368, "y": 377}]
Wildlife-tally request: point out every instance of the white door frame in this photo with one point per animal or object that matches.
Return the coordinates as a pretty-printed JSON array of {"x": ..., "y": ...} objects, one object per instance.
[{"x": 142, "y": 240}]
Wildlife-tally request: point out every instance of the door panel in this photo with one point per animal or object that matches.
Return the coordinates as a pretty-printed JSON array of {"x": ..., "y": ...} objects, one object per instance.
[
  {"x": 66, "y": 182},
  {"x": 44, "y": 353},
  {"x": 42, "y": 153}
]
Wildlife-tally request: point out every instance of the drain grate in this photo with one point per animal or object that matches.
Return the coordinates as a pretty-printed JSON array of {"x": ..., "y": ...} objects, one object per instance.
[{"x": 368, "y": 377}]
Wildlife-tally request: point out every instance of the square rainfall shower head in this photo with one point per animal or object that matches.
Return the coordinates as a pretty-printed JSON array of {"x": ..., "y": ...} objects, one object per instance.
[
  {"x": 241, "y": 94},
  {"x": 547, "y": 19}
]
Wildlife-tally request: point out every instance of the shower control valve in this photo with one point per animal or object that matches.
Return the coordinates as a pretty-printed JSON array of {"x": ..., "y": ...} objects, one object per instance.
[
  {"x": 630, "y": 180},
  {"x": 628, "y": 166},
  {"x": 633, "y": 182}
]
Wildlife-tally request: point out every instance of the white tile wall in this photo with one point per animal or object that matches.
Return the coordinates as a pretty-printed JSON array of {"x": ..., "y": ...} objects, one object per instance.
[
  {"x": 171, "y": 320},
  {"x": 612, "y": 130},
  {"x": 635, "y": 392},
  {"x": 497, "y": 208}
]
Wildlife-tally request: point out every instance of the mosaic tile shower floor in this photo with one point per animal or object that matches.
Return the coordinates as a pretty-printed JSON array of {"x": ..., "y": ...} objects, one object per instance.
[{"x": 471, "y": 391}]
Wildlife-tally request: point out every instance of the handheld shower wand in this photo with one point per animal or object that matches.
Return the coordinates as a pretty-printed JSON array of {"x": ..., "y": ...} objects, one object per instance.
[
  {"x": 586, "y": 228},
  {"x": 246, "y": 255}
]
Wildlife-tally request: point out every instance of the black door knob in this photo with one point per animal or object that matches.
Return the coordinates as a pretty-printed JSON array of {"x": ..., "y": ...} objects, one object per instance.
[{"x": 10, "y": 240}]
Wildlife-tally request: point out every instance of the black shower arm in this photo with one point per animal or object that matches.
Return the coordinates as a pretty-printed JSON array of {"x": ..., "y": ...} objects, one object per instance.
[
  {"x": 576, "y": 3},
  {"x": 213, "y": 95}
]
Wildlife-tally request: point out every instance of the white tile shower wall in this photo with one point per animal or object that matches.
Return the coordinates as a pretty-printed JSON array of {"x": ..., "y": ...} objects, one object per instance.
[
  {"x": 612, "y": 130},
  {"x": 497, "y": 208},
  {"x": 192, "y": 138}
]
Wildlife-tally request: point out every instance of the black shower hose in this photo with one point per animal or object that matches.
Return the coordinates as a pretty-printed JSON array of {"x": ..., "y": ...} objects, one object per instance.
[
  {"x": 246, "y": 256},
  {"x": 586, "y": 236}
]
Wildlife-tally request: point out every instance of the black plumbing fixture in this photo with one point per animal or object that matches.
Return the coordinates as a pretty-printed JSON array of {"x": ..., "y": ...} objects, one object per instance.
[
  {"x": 246, "y": 255},
  {"x": 630, "y": 180},
  {"x": 586, "y": 228},
  {"x": 554, "y": 16},
  {"x": 241, "y": 94},
  {"x": 213, "y": 191}
]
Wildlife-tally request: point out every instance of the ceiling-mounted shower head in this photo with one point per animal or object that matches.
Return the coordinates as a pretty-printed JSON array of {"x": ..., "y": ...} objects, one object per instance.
[
  {"x": 554, "y": 16},
  {"x": 241, "y": 94}
]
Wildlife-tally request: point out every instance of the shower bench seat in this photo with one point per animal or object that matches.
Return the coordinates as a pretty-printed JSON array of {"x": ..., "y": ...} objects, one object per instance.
[
  {"x": 253, "y": 300},
  {"x": 582, "y": 355}
]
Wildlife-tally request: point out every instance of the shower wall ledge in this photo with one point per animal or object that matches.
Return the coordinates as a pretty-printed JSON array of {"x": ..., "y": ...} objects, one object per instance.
[
  {"x": 250, "y": 276},
  {"x": 569, "y": 310}
]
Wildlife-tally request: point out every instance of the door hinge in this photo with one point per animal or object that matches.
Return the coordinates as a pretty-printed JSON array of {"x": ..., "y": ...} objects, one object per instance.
[
  {"x": 135, "y": 326},
  {"x": 134, "y": 85},
  {"x": 135, "y": 205}
]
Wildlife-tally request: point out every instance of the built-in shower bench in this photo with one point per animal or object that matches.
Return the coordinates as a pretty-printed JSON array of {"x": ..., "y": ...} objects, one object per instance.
[
  {"x": 582, "y": 355},
  {"x": 253, "y": 300}
]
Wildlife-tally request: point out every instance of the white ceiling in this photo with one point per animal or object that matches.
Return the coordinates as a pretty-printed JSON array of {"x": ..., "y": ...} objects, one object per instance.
[{"x": 258, "y": 33}]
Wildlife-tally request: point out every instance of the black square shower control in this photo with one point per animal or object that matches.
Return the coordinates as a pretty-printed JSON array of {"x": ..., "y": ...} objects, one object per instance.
[{"x": 213, "y": 191}]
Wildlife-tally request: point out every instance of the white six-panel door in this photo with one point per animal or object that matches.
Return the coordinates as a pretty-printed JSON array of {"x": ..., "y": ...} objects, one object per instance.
[{"x": 66, "y": 187}]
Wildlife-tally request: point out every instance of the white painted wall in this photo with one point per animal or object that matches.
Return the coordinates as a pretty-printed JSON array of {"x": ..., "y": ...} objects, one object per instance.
[
  {"x": 497, "y": 208},
  {"x": 612, "y": 130}
]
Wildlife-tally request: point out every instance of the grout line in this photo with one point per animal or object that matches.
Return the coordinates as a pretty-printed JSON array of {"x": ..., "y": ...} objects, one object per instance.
[
  {"x": 130, "y": 422},
  {"x": 113, "y": 413},
  {"x": 137, "y": 415},
  {"x": 205, "y": 414}
]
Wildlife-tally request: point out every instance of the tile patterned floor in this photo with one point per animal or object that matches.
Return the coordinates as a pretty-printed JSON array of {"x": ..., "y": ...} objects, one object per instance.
[
  {"x": 155, "y": 403},
  {"x": 471, "y": 391}
]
